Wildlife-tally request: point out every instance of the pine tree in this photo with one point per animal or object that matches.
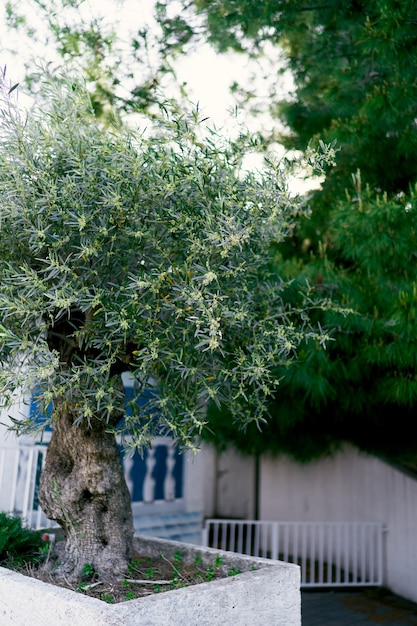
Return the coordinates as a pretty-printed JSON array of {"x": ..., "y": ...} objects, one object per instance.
[{"x": 354, "y": 66}]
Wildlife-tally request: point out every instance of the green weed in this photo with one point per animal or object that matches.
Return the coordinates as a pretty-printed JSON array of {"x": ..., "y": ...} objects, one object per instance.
[{"x": 19, "y": 545}]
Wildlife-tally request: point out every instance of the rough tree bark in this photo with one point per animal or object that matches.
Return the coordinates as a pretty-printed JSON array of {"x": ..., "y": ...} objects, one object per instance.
[
  {"x": 83, "y": 488},
  {"x": 82, "y": 484}
]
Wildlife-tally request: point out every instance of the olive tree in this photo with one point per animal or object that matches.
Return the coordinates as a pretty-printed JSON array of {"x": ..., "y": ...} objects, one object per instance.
[{"x": 144, "y": 251}]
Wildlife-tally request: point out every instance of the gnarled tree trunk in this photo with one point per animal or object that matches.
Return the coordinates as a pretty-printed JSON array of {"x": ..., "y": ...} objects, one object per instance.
[{"x": 83, "y": 488}]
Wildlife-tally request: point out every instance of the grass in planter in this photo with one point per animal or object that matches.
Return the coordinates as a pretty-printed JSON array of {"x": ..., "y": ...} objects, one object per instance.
[
  {"x": 19, "y": 545},
  {"x": 146, "y": 576}
]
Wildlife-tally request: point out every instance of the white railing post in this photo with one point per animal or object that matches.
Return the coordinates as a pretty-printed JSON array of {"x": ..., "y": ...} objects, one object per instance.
[
  {"x": 380, "y": 551},
  {"x": 216, "y": 534},
  {"x": 127, "y": 467},
  {"x": 149, "y": 482},
  {"x": 13, "y": 484},
  {"x": 240, "y": 539},
  {"x": 275, "y": 540},
  {"x": 232, "y": 537},
  {"x": 169, "y": 482},
  {"x": 304, "y": 545},
  {"x": 204, "y": 534},
  {"x": 354, "y": 553},
  {"x": 321, "y": 555},
  {"x": 28, "y": 495}
]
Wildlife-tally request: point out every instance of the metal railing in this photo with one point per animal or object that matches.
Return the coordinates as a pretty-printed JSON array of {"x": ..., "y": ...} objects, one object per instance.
[{"x": 330, "y": 554}]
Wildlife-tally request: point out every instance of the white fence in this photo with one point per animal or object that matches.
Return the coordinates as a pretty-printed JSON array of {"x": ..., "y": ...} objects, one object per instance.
[
  {"x": 20, "y": 469},
  {"x": 330, "y": 554}
]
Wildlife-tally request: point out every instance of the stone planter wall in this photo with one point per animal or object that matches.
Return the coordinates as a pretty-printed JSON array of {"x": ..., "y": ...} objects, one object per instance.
[{"x": 269, "y": 595}]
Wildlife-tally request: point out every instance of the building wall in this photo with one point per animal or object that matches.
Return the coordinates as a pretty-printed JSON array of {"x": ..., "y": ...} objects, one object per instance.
[
  {"x": 229, "y": 486},
  {"x": 194, "y": 478},
  {"x": 350, "y": 486}
]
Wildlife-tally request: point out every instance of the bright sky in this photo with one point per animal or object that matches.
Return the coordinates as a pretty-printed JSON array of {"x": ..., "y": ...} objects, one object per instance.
[{"x": 208, "y": 75}]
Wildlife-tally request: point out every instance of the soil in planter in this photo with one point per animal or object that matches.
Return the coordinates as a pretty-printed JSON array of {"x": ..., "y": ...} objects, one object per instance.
[{"x": 146, "y": 575}]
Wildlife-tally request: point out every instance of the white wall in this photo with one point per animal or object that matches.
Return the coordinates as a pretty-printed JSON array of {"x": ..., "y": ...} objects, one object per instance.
[
  {"x": 229, "y": 486},
  {"x": 194, "y": 480},
  {"x": 350, "y": 487},
  {"x": 347, "y": 487}
]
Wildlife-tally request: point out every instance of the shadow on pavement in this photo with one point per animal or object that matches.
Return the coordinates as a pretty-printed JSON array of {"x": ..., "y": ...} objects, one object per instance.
[{"x": 365, "y": 607}]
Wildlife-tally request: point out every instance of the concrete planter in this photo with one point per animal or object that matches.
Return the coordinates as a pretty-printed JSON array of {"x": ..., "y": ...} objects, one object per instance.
[{"x": 268, "y": 595}]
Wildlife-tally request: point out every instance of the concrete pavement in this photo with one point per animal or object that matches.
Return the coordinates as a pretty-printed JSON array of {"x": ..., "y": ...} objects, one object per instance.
[{"x": 366, "y": 607}]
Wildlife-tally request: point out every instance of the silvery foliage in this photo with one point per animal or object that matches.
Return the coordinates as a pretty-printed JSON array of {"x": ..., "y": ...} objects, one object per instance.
[{"x": 161, "y": 239}]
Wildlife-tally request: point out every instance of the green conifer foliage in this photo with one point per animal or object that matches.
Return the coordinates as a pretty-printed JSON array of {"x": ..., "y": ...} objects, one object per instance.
[{"x": 354, "y": 66}]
